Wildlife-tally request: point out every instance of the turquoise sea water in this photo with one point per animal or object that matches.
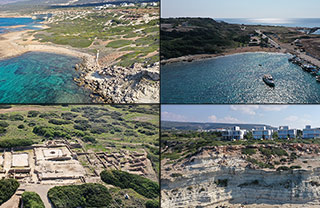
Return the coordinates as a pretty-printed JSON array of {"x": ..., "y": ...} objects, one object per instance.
[
  {"x": 40, "y": 78},
  {"x": 28, "y": 22},
  {"x": 238, "y": 79}
]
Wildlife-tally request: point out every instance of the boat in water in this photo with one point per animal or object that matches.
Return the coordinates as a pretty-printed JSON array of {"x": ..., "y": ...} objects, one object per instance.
[
  {"x": 268, "y": 79},
  {"x": 318, "y": 78}
]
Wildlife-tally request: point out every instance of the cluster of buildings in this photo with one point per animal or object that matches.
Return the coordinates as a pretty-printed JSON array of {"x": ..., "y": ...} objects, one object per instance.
[
  {"x": 262, "y": 132},
  {"x": 107, "y": 6}
]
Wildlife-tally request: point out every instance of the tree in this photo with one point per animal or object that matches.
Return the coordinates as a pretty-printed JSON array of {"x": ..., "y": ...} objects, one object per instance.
[
  {"x": 275, "y": 135},
  {"x": 299, "y": 133},
  {"x": 248, "y": 136},
  {"x": 32, "y": 200}
]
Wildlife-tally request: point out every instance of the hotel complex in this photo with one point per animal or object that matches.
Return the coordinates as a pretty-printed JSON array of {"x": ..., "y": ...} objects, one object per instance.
[
  {"x": 234, "y": 134},
  {"x": 285, "y": 132},
  {"x": 310, "y": 133},
  {"x": 262, "y": 132}
]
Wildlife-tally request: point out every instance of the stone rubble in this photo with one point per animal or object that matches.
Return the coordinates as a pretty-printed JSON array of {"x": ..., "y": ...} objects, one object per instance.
[{"x": 116, "y": 84}]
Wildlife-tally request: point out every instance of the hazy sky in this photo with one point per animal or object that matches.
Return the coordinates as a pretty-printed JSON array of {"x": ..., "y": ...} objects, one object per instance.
[
  {"x": 296, "y": 116},
  {"x": 241, "y": 8}
]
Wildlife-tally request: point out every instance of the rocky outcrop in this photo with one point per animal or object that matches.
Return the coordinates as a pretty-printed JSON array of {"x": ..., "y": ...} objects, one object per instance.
[
  {"x": 204, "y": 182},
  {"x": 116, "y": 84}
]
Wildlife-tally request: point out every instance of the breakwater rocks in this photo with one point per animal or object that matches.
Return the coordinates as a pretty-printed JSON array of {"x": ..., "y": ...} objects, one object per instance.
[{"x": 116, "y": 84}]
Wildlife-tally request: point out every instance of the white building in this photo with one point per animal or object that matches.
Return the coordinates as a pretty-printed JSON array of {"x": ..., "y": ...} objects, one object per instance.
[
  {"x": 154, "y": 4},
  {"x": 234, "y": 133},
  {"x": 310, "y": 133},
  {"x": 285, "y": 132},
  {"x": 262, "y": 133}
]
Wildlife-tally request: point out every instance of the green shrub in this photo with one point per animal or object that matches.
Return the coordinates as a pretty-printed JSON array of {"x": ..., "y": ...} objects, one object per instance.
[
  {"x": 82, "y": 126},
  {"x": 3, "y": 130},
  {"x": 33, "y": 114},
  {"x": 4, "y": 117},
  {"x": 7, "y": 188},
  {"x": 295, "y": 167},
  {"x": 21, "y": 126},
  {"x": 8, "y": 143},
  {"x": 59, "y": 121},
  {"x": 89, "y": 139},
  {"x": 175, "y": 175},
  {"x": 283, "y": 168},
  {"x": 259, "y": 163},
  {"x": 152, "y": 204},
  {"x": 68, "y": 116},
  {"x": 32, "y": 200},
  {"x": 141, "y": 185},
  {"x": 16, "y": 117},
  {"x": 248, "y": 151},
  {"x": 4, "y": 124},
  {"x": 51, "y": 132},
  {"x": 86, "y": 195}
]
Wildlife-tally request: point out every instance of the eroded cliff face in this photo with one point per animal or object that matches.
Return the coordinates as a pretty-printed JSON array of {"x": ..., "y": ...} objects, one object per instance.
[{"x": 211, "y": 180}]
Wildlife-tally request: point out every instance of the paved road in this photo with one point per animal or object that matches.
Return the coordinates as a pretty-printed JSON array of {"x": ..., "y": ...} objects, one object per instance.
[{"x": 290, "y": 48}]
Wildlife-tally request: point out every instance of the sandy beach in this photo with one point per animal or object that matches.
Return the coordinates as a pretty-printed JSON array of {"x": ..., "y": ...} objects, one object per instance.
[
  {"x": 17, "y": 43},
  {"x": 12, "y": 27},
  {"x": 191, "y": 58},
  {"x": 13, "y": 15}
]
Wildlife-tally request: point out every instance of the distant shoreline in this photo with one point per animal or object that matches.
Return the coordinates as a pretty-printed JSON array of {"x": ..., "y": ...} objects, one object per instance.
[
  {"x": 15, "y": 16},
  {"x": 197, "y": 57}
]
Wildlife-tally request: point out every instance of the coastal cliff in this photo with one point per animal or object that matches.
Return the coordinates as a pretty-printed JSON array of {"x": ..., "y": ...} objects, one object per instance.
[{"x": 213, "y": 179}]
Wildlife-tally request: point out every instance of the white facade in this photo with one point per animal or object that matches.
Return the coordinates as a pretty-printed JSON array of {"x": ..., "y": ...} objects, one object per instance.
[
  {"x": 310, "y": 133},
  {"x": 261, "y": 133},
  {"x": 285, "y": 132},
  {"x": 234, "y": 133}
]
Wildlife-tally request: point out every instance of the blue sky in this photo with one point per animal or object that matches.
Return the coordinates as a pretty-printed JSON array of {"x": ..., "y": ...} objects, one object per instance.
[
  {"x": 296, "y": 116},
  {"x": 241, "y": 8}
]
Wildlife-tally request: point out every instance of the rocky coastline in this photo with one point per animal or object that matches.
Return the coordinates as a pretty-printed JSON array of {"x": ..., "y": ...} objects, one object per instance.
[{"x": 116, "y": 84}]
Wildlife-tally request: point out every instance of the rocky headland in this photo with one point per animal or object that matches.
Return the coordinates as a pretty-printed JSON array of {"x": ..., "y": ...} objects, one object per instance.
[{"x": 116, "y": 84}]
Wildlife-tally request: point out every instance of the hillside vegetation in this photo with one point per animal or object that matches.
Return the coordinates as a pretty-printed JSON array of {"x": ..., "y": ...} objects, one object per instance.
[{"x": 189, "y": 36}]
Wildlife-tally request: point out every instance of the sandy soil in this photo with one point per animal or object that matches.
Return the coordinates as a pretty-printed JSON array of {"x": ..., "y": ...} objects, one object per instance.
[
  {"x": 23, "y": 108},
  {"x": 14, "y": 26},
  {"x": 16, "y": 43},
  {"x": 191, "y": 58}
]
